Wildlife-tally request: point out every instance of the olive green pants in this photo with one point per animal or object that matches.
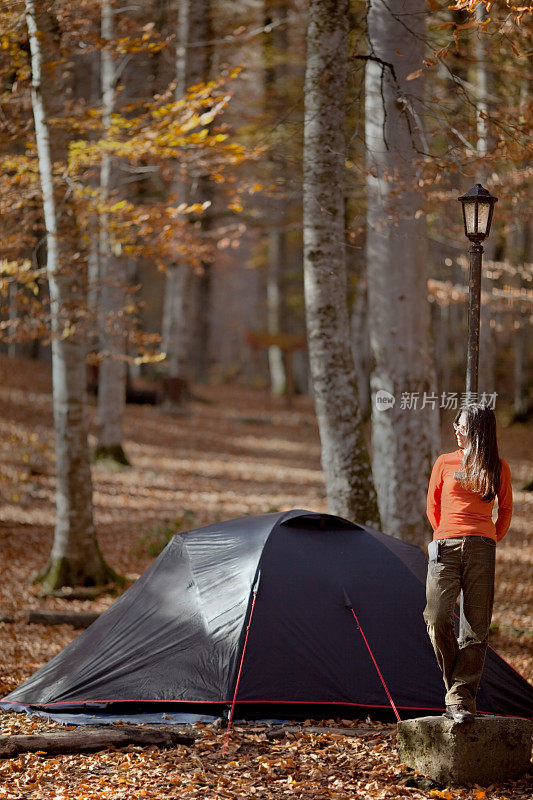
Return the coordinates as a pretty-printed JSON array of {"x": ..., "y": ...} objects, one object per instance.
[{"x": 465, "y": 563}]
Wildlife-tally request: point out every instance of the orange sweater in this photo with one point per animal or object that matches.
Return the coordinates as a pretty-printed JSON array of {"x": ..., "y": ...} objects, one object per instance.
[{"x": 454, "y": 511}]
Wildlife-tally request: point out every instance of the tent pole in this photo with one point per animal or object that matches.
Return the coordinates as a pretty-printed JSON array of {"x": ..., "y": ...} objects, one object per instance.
[
  {"x": 230, "y": 720},
  {"x": 382, "y": 679}
]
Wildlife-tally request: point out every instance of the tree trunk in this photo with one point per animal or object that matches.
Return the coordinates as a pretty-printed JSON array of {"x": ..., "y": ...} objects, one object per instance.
[
  {"x": 75, "y": 558},
  {"x": 361, "y": 344},
  {"x": 344, "y": 455},
  {"x": 112, "y": 281},
  {"x": 278, "y": 378},
  {"x": 405, "y": 440},
  {"x": 202, "y": 302},
  {"x": 442, "y": 329},
  {"x": 185, "y": 327},
  {"x": 176, "y": 320},
  {"x": 13, "y": 316},
  {"x": 198, "y": 70},
  {"x": 275, "y": 48},
  {"x": 520, "y": 399},
  {"x": 522, "y": 325},
  {"x": 485, "y": 143}
]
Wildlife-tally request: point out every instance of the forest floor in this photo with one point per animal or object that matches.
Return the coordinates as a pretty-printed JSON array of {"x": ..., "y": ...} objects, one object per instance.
[{"x": 237, "y": 452}]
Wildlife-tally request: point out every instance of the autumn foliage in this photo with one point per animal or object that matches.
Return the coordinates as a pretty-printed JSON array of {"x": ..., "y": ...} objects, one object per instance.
[{"x": 152, "y": 139}]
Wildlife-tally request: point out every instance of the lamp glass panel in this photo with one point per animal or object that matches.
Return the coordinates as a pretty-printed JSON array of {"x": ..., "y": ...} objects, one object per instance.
[
  {"x": 470, "y": 217},
  {"x": 483, "y": 217}
]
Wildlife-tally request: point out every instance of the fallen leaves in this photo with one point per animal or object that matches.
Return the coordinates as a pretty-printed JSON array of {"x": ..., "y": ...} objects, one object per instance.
[{"x": 226, "y": 461}]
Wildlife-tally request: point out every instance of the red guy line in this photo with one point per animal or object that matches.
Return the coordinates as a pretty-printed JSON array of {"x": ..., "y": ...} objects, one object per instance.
[
  {"x": 230, "y": 720},
  {"x": 376, "y": 666}
]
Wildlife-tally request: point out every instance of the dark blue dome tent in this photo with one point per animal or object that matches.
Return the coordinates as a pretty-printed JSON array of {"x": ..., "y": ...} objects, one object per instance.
[{"x": 292, "y": 614}]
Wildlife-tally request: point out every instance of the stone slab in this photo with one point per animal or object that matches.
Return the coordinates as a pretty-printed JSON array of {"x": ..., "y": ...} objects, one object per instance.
[{"x": 488, "y": 750}]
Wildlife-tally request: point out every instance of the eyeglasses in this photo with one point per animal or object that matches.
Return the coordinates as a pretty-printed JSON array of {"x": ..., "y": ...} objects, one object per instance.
[{"x": 459, "y": 429}]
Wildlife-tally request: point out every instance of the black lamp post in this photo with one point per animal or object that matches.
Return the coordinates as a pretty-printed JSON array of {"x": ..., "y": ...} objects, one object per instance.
[{"x": 478, "y": 207}]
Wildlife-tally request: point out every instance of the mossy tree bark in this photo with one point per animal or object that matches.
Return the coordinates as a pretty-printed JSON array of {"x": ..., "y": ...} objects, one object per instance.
[
  {"x": 75, "y": 558},
  {"x": 345, "y": 459}
]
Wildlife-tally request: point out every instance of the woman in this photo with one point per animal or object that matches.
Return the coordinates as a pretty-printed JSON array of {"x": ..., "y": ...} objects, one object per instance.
[{"x": 460, "y": 500}]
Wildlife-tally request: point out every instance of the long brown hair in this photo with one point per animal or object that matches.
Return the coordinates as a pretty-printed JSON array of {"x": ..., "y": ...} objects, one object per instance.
[{"x": 481, "y": 467}]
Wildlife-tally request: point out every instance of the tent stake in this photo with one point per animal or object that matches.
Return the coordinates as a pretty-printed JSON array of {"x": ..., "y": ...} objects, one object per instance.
[
  {"x": 348, "y": 604},
  {"x": 255, "y": 588}
]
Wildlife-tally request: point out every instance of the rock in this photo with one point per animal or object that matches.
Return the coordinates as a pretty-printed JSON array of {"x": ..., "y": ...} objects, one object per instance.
[{"x": 488, "y": 750}]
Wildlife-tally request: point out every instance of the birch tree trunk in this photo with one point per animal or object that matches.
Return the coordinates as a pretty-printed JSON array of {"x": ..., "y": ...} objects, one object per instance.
[
  {"x": 186, "y": 297},
  {"x": 75, "y": 558},
  {"x": 275, "y": 49},
  {"x": 112, "y": 280},
  {"x": 345, "y": 459},
  {"x": 276, "y": 256},
  {"x": 405, "y": 441}
]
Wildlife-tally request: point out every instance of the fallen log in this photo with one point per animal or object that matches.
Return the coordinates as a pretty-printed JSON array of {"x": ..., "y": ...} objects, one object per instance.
[
  {"x": 90, "y": 739},
  {"x": 81, "y": 592},
  {"x": 79, "y": 619},
  {"x": 279, "y": 733}
]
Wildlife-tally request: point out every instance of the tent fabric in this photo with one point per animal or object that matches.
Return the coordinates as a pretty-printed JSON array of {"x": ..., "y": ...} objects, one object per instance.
[{"x": 176, "y": 637}]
